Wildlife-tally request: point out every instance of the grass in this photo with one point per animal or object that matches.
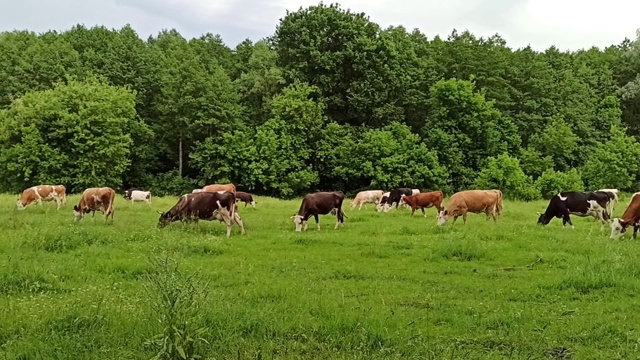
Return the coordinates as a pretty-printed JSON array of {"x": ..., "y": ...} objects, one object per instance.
[{"x": 384, "y": 286}]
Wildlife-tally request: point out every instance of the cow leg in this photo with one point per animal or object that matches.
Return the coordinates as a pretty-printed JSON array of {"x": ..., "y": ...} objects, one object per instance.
[
  {"x": 635, "y": 230},
  {"x": 455, "y": 217},
  {"x": 315, "y": 216},
  {"x": 238, "y": 220},
  {"x": 58, "y": 202},
  {"x": 464, "y": 217},
  {"x": 567, "y": 219}
]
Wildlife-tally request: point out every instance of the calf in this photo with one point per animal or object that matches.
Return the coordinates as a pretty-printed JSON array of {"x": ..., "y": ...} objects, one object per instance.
[
  {"x": 394, "y": 197},
  {"x": 424, "y": 200},
  {"x": 471, "y": 201},
  {"x": 138, "y": 195},
  {"x": 582, "y": 204},
  {"x": 383, "y": 201},
  {"x": 630, "y": 217},
  {"x": 365, "y": 197},
  {"x": 205, "y": 205},
  {"x": 246, "y": 198},
  {"x": 319, "y": 203},
  {"x": 93, "y": 199},
  {"x": 40, "y": 193}
]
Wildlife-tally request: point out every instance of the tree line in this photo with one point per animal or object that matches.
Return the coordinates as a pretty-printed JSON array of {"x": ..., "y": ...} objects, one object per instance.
[{"x": 330, "y": 101}]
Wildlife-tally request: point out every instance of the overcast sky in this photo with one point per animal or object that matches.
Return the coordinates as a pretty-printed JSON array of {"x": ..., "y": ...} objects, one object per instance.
[{"x": 568, "y": 24}]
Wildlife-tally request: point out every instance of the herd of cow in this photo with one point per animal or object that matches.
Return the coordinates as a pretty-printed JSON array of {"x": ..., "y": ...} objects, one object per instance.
[{"x": 219, "y": 202}]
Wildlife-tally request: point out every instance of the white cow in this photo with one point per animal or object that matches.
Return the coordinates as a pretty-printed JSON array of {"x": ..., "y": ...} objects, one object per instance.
[
  {"x": 365, "y": 197},
  {"x": 139, "y": 195}
]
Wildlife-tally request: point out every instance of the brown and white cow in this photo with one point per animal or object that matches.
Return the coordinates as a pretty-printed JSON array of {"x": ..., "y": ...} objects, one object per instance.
[
  {"x": 246, "y": 198},
  {"x": 40, "y": 193},
  {"x": 319, "y": 203},
  {"x": 93, "y": 199},
  {"x": 220, "y": 187},
  {"x": 424, "y": 200},
  {"x": 630, "y": 217},
  {"x": 366, "y": 197},
  {"x": 472, "y": 201},
  {"x": 205, "y": 205}
]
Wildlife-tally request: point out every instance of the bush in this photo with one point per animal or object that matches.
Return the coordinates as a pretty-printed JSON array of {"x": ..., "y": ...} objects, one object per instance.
[
  {"x": 170, "y": 183},
  {"x": 504, "y": 173},
  {"x": 552, "y": 182}
]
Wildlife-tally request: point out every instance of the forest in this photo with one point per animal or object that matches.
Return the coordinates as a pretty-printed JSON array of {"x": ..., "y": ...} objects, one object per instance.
[{"x": 330, "y": 101}]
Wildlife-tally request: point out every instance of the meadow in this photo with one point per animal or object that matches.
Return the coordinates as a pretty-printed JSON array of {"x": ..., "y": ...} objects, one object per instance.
[{"x": 384, "y": 286}]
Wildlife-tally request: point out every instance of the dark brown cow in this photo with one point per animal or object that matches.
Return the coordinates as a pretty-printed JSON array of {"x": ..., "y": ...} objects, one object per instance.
[
  {"x": 220, "y": 187},
  {"x": 424, "y": 200},
  {"x": 93, "y": 199},
  {"x": 319, "y": 203},
  {"x": 630, "y": 217},
  {"x": 246, "y": 198},
  {"x": 204, "y": 206}
]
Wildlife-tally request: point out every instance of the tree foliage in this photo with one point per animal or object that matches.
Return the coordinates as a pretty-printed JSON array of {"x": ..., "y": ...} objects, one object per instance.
[{"x": 331, "y": 101}]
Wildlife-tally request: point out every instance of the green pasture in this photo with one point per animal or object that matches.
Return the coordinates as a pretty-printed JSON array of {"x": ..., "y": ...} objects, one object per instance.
[{"x": 383, "y": 286}]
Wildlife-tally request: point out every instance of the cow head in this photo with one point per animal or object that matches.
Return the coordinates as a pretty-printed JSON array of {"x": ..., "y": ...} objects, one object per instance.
[
  {"x": 543, "y": 219},
  {"x": 298, "y": 220},
  {"x": 78, "y": 212},
  {"x": 443, "y": 217},
  {"x": 618, "y": 228},
  {"x": 165, "y": 219},
  {"x": 20, "y": 205},
  {"x": 127, "y": 194}
]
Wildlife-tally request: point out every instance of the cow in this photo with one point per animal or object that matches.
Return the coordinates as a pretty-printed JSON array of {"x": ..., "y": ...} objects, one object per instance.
[
  {"x": 365, "y": 197},
  {"x": 40, "y": 193},
  {"x": 630, "y": 217},
  {"x": 383, "y": 201},
  {"x": 613, "y": 199},
  {"x": 413, "y": 192},
  {"x": 246, "y": 198},
  {"x": 588, "y": 203},
  {"x": 471, "y": 201},
  {"x": 319, "y": 203},
  {"x": 139, "y": 195},
  {"x": 220, "y": 187},
  {"x": 394, "y": 197},
  {"x": 424, "y": 200},
  {"x": 127, "y": 193},
  {"x": 205, "y": 205},
  {"x": 93, "y": 199}
]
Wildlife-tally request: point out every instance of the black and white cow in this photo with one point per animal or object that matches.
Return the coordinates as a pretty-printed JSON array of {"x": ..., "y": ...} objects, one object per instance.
[
  {"x": 395, "y": 195},
  {"x": 588, "y": 203}
]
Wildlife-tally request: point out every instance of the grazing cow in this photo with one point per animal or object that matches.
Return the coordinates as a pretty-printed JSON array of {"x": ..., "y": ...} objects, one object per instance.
[
  {"x": 220, "y": 187},
  {"x": 613, "y": 199},
  {"x": 40, "y": 193},
  {"x": 138, "y": 195},
  {"x": 394, "y": 197},
  {"x": 588, "y": 203},
  {"x": 365, "y": 197},
  {"x": 383, "y": 201},
  {"x": 630, "y": 217},
  {"x": 319, "y": 203},
  {"x": 246, "y": 198},
  {"x": 424, "y": 200},
  {"x": 93, "y": 199},
  {"x": 471, "y": 201},
  {"x": 205, "y": 205}
]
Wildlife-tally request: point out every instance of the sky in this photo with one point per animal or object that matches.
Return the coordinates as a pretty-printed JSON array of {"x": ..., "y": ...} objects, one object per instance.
[{"x": 567, "y": 24}]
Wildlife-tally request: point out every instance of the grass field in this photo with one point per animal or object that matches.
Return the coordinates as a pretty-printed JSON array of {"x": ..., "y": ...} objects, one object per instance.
[{"x": 384, "y": 286}]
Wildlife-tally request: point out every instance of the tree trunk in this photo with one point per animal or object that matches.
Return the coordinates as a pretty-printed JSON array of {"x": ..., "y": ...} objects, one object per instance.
[{"x": 180, "y": 157}]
